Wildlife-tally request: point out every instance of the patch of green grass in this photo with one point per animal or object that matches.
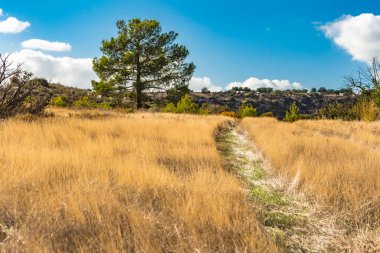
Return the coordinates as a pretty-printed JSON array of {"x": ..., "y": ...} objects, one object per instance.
[
  {"x": 283, "y": 220},
  {"x": 258, "y": 171},
  {"x": 265, "y": 197}
]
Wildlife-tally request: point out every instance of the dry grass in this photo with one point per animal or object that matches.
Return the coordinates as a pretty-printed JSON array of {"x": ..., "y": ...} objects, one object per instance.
[
  {"x": 135, "y": 183},
  {"x": 337, "y": 164}
]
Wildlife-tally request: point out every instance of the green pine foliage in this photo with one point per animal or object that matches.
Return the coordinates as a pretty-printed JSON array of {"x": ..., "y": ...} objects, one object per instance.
[
  {"x": 141, "y": 58},
  {"x": 293, "y": 113}
]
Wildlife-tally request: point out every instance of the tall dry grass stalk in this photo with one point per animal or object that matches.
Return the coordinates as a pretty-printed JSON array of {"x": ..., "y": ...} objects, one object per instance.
[
  {"x": 336, "y": 163},
  {"x": 137, "y": 183}
]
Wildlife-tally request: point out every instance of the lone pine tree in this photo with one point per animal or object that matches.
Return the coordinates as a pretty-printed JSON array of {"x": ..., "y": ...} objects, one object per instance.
[{"x": 141, "y": 58}]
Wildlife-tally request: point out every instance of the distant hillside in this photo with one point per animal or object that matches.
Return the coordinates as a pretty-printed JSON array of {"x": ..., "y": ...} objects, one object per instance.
[{"x": 276, "y": 102}]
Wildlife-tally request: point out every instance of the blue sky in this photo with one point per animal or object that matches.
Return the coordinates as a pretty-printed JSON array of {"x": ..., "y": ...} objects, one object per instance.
[{"x": 246, "y": 43}]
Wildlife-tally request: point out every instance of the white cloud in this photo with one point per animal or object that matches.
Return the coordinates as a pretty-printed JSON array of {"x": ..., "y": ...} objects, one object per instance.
[
  {"x": 254, "y": 83},
  {"x": 1, "y": 12},
  {"x": 13, "y": 25},
  {"x": 65, "y": 70},
  {"x": 197, "y": 83},
  {"x": 358, "y": 35},
  {"x": 46, "y": 45}
]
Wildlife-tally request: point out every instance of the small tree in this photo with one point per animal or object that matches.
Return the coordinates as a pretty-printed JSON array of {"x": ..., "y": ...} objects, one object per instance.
[
  {"x": 187, "y": 106},
  {"x": 19, "y": 91},
  {"x": 141, "y": 58},
  {"x": 322, "y": 90},
  {"x": 313, "y": 90},
  {"x": 292, "y": 115},
  {"x": 367, "y": 82}
]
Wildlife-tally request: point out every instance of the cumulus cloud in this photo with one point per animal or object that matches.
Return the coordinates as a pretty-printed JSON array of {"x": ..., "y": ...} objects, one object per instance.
[
  {"x": 358, "y": 35},
  {"x": 197, "y": 83},
  {"x": 1, "y": 12},
  {"x": 46, "y": 45},
  {"x": 254, "y": 83},
  {"x": 65, "y": 70},
  {"x": 13, "y": 25}
]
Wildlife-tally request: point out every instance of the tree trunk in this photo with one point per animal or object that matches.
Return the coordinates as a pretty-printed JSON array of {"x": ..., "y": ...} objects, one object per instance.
[
  {"x": 138, "y": 84},
  {"x": 138, "y": 96}
]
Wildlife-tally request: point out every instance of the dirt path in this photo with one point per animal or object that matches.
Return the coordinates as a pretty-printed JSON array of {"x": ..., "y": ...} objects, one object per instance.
[{"x": 294, "y": 223}]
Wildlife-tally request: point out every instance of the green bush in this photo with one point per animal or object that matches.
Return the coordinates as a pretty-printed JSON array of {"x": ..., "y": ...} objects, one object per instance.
[
  {"x": 292, "y": 115},
  {"x": 60, "y": 101},
  {"x": 364, "y": 109},
  {"x": 105, "y": 105},
  {"x": 185, "y": 105},
  {"x": 84, "y": 102},
  {"x": 203, "y": 112},
  {"x": 170, "y": 108},
  {"x": 336, "y": 111},
  {"x": 247, "y": 111}
]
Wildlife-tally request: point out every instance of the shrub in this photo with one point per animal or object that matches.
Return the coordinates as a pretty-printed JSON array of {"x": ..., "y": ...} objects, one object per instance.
[
  {"x": 203, "y": 112},
  {"x": 83, "y": 102},
  {"x": 292, "y": 115},
  {"x": 60, "y": 101},
  {"x": 105, "y": 105},
  {"x": 267, "y": 114},
  {"x": 185, "y": 105},
  {"x": 247, "y": 111},
  {"x": 20, "y": 93},
  {"x": 337, "y": 111},
  {"x": 229, "y": 114},
  {"x": 213, "y": 108},
  {"x": 170, "y": 108},
  {"x": 366, "y": 110}
]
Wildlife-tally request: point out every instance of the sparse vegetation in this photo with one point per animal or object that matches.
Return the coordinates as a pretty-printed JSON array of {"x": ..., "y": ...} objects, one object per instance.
[{"x": 335, "y": 163}]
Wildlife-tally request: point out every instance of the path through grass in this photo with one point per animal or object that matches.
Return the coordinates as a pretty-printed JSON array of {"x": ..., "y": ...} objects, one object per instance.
[{"x": 292, "y": 221}]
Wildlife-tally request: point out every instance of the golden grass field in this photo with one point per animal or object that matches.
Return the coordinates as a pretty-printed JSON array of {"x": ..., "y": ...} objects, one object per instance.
[
  {"x": 336, "y": 163},
  {"x": 133, "y": 183},
  {"x": 105, "y": 181}
]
